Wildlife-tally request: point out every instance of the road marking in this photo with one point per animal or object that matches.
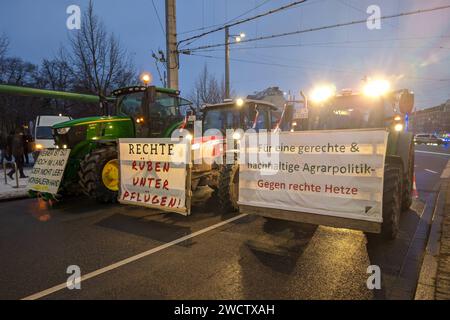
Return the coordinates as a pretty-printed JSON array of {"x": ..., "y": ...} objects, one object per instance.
[
  {"x": 438, "y": 153},
  {"x": 121, "y": 263},
  {"x": 430, "y": 171}
]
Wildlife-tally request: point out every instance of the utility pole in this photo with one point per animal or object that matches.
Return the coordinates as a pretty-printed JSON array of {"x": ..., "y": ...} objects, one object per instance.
[
  {"x": 171, "y": 44},
  {"x": 227, "y": 63}
]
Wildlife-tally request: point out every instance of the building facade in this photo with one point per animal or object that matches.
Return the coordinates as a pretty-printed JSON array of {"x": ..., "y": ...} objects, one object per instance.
[{"x": 432, "y": 120}]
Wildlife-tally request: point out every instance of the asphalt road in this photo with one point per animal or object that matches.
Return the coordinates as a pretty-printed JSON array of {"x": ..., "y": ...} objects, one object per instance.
[{"x": 206, "y": 256}]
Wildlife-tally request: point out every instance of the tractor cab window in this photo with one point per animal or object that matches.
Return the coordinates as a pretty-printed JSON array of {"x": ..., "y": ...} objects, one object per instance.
[
  {"x": 347, "y": 112},
  {"x": 130, "y": 104},
  {"x": 262, "y": 121},
  {"x": 222, "y": 119},
  {"x": 164, "y": 113}
]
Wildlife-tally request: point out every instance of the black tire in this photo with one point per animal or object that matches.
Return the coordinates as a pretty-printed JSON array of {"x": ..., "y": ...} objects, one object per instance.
[
  {"x": 228, "y": 191},
  {"x": 408, "y": 180},
  {"x": 90, "y": 174},
  {"x": 391, "y": 202}
]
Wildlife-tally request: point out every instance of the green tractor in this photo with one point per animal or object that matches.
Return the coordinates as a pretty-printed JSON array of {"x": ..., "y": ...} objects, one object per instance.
[{"x": 138, "y": 111}]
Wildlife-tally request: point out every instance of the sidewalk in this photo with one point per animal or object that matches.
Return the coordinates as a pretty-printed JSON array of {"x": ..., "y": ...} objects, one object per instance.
[
  {"x": 443, "y": 272},
  {"x": 9, "y": 190},
  {"x": 434, "y": 281}
]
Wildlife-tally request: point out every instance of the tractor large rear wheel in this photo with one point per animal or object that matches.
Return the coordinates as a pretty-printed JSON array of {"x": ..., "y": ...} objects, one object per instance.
[
  {"x": 99, "y": 174},
  {"x": 228, "y": 191},
  {"x": 392, "y": 197}
]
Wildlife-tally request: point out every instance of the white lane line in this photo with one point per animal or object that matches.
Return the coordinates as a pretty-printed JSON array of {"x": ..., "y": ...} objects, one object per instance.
[
  {"x": 430, "y": 171},
  {"x": 438, "y": 153},
  {"x": 121, "y": 263}
]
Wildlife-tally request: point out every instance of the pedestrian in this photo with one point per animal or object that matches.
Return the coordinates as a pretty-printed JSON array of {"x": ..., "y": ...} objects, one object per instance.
[
  {"x": 26, "y": 142},
  {"x": 2, "y": 149},
  {"x": 17, "y": 150}
]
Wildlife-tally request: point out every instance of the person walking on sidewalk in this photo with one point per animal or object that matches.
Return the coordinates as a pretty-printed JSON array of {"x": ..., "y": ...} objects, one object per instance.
[
  {"x": 3, "y": 156},
  {"x": 17, "y": 150}
]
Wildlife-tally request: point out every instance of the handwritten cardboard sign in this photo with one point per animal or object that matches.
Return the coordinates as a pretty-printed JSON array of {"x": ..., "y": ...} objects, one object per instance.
[
  {"x": 153, "y": 173},
  {"x": 48, "y": 170}
]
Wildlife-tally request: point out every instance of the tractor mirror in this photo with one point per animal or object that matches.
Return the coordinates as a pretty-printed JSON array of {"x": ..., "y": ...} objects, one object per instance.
[{"x": 406, "y": 102}]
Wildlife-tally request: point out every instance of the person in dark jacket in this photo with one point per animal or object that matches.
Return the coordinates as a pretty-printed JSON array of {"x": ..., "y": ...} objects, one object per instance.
[
  {"x": 27, "y": 138},
  {"x": 17, "y": 150},
  {"x": 2, "y": 149}
]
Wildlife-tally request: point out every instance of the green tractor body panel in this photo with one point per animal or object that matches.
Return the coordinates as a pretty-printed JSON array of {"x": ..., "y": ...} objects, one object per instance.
[
  {"x": 33, "y": 92},
  {"x": 83, "y": 135}
]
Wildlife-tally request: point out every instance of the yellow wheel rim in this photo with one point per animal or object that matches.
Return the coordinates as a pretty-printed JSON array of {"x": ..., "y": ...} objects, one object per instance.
[{"x": 110, "y": 175}]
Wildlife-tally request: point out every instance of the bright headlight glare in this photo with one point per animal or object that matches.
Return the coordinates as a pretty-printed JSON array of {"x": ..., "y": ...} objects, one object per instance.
[
  {"x": 39, "y": 146},
  {"x": 398, "y": 127},
  {"x": 236, "y": 135},
  {"x": 376, "y": 88},
  {"x": 63, "y": 130},
  {"x": 323, "y": 93}
]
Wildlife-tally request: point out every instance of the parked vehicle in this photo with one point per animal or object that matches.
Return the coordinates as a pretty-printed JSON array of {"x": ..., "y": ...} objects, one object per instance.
[
  {"x": 425, "y": 138},
  {"x": 43, "y": 134}
]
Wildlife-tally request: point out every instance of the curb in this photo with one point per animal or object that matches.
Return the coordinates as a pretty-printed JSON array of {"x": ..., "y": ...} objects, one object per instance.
[
  {"x": 15, "y": 196},
  {"x": 427, "y": 283}
]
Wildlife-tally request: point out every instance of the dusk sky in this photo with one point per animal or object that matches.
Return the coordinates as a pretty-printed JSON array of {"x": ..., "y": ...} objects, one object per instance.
[{"x": 413, "y": 51}]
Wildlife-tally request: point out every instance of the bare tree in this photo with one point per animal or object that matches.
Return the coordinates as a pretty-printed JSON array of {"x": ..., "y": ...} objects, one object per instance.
[
  {"x": 18, "y": 72},
  {"x": 98, "y": 59},
  {"x": 207, "y": 89},
  {"x": 4, "y": 43}
]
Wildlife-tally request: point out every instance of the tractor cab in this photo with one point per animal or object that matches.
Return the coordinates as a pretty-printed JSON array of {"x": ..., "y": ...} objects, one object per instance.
[
  {"x": 358, "y": 111},
  {"x": 156, "y": 112},
  {"x": 239, "y": 114}
]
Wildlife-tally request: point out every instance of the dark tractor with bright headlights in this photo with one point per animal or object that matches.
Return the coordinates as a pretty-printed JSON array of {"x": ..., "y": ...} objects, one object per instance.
[{"x": 361, "y": 111}]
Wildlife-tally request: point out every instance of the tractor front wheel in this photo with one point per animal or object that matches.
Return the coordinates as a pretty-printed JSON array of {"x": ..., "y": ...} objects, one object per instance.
[
  {"x": 392, "y": 202},
  {"x": 99, "y": 174},
  {"x": 228, "y": 191},
  {"x": 408, "y": 180}
]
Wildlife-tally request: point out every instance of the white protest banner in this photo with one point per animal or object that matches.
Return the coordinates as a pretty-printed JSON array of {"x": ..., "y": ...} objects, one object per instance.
[
  {"x": 48, "y": 170},
  {"x": 334, "y": 173},
  {"x": 153, "y": 173}
]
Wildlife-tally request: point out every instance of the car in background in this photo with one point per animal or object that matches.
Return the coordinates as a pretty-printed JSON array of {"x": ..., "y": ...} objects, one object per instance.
[
  {"x": 425, "y": 138},
  {"x": 43, "y": 135}
]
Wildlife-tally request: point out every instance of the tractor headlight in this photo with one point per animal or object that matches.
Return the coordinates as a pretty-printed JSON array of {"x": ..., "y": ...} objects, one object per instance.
[
  {"x": 322, "y": 93},
  {"x": 376, "y": 88},
  {"x": 398, "y": 127},
  {"x": 63, "y": 130}
]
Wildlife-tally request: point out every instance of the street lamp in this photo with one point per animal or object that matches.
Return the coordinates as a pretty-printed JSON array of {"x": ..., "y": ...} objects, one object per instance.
[
  {"x": 237, "y": 38},
  {"x": 146, "y": 78}
]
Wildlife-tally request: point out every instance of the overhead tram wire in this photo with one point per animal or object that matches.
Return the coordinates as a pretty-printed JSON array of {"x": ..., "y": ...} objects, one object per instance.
[
  {"x": 159, "y": 18},
  {"x": 306, "y": 67},
  {"x": 338, "y": 25},
  {"x": 231, "y": 20},
  {"x": 329, "y": 43},
  {"x": 193, "y": 38}
]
